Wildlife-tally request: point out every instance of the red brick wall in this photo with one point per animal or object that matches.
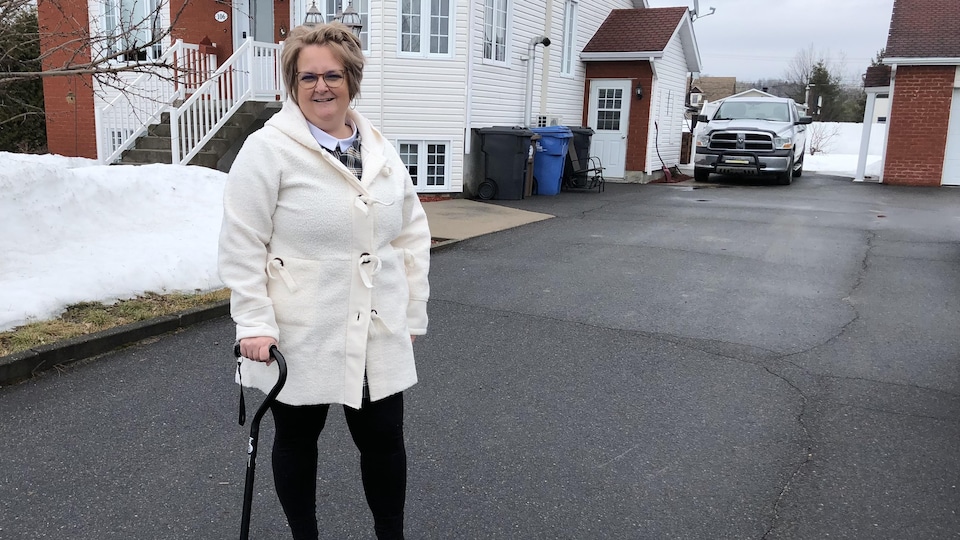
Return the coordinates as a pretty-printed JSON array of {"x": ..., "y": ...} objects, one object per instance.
[
  {"x": 639, "y": 109},
  {"x": 68, "y": 100},
  {"x": 197, "y": 22},
  {"x": 919, "y": 118}
]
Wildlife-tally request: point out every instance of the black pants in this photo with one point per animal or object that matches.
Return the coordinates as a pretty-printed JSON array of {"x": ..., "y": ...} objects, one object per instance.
[{"x": 377, "y": 430}]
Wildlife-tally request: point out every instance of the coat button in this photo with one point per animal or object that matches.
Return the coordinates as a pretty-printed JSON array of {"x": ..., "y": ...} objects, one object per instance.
[{"x": 387, "y": 171}]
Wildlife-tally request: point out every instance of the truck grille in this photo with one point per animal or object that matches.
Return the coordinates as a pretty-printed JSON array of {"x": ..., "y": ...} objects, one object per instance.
[{"x": 736, "y": 140}]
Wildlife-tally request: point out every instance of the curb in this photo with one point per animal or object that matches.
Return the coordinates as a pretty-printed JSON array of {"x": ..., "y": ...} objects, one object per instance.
[{"x": 24, "y": 365}]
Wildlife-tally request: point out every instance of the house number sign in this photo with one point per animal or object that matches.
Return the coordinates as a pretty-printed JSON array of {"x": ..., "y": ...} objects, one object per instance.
[{"x": 221, "y": 16}]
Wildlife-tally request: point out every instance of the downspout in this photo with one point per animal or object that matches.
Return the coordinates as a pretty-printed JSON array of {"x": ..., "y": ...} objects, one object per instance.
[
  {"x": 468, "y": 112},
  {"x": 545, "y": 71},
  {"x": 531, "y": 59},
  {"x": 383, "y": 25}
]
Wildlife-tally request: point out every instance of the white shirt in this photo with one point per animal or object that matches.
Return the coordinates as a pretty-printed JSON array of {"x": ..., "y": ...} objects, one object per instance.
[{"x": 329, "y": 141}]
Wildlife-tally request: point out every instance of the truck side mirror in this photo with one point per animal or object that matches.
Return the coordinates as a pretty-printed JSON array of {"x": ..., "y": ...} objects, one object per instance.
[
  {"x": 703, "y": 118},
  {"x": 805, "y": 120}
]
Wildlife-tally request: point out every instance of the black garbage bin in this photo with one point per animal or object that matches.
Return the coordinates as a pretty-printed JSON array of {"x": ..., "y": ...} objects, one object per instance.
[
  {"x": 581, "y": 144},
  {"x": 505, "y": 150}
]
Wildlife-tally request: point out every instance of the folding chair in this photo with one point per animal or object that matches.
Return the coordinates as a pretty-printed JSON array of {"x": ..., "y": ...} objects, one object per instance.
[{"x": 582, "y": 173}]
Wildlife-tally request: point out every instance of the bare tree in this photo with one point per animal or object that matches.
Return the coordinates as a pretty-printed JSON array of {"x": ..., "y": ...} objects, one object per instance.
[
  {"x": 68, "y": 47},
  {"x": 822, "y": 136},
  {"x": 803, "y": 67}
]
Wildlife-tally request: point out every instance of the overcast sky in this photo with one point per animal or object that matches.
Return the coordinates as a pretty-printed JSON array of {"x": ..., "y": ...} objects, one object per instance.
[{"x": 754, "y": 39}]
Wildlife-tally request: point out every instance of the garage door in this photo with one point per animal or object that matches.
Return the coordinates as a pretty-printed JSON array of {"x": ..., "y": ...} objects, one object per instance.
[{"x": 951, "y": 160}]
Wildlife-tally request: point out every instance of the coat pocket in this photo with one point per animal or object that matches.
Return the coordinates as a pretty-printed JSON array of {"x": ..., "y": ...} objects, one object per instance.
[{"x": 292, "y": 286}]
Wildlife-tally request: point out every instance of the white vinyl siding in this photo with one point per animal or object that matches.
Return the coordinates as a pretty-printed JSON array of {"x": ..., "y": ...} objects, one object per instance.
[
  {"x": 495, "y": 15},
  {"x": 425, "y": 27},
  {"x": 413, "y": 98},
  {"x": 667, "y": 107},
  {"x": 565, "y": 95}
]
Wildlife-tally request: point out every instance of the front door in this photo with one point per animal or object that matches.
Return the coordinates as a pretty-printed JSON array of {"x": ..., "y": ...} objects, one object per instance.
[
  {"x": 609, "y": 115},
  {"x": 951, "y": 160},
  {"x": 252, "y": 19}
]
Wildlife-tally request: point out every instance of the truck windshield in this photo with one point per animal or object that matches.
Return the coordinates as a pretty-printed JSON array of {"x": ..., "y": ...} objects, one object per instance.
[{"x": 753, "y": 110}]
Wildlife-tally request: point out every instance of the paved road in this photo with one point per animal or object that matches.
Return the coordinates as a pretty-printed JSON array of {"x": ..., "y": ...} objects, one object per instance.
[{"x": 657, "y": 362}]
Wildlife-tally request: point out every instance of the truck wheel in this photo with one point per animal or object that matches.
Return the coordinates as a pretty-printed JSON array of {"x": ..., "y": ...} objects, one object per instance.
[
  {"x": 701, "y": 175},
  {"x": 786, "y": 176},
  {"x": 798, "y": 172}
]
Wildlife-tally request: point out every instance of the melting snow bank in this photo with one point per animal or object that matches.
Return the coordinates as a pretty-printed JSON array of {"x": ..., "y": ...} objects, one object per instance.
[{"x": 77, "y": 231}]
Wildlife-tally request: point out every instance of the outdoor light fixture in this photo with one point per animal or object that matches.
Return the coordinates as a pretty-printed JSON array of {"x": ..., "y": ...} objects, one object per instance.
[
  {"x": 338, "y": 16},
  {"x": 313, "y": 16},
  {"x": 639, "y": 91},
  {"x": 351, "y": 19}
]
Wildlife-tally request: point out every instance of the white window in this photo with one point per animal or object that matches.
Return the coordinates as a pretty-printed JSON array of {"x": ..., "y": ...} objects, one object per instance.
[
  {"x": 129, "y": 25},
  {"x": 428, "y": 163},
  {"x": 362, "y": 7},
  {"x": 569, "y": 43},
  {"x": 425, "y": 27},
  {"x": 495, "y": 30}
]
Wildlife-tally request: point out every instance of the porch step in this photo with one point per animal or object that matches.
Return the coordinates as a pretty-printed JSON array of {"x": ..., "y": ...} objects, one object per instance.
[{"x": 154, "y": 146}]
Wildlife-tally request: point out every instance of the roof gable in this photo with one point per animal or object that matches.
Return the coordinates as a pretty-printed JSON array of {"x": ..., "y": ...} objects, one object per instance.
[
  {"x": 877, "y": 77},
  {"x": 636, "y": 30},
  {"x": 714, "y": 88},
  {"x": 924, "y": 29}
]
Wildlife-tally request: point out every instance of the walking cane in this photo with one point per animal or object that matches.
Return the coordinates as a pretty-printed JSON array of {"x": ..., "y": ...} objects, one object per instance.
[{"x": 255, "y": 435}]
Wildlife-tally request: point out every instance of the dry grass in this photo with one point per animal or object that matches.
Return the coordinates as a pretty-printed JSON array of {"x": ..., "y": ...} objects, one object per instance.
[{"x": 89, "y": 317}]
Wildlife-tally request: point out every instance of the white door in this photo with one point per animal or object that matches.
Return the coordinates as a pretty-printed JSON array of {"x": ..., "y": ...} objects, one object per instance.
[
  {"x": 609, "y": 115},
  {"x": 951, "y": 158},
  {"x": 241, "y": 22},
  {"x": 252, "y": 19}
]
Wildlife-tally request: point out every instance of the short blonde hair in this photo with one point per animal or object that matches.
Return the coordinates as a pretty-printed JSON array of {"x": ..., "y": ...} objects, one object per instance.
[{"x": 345, "y": 46}]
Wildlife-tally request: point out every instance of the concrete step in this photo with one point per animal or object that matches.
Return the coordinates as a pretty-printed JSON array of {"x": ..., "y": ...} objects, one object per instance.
[{"x": 218, "y": 153}]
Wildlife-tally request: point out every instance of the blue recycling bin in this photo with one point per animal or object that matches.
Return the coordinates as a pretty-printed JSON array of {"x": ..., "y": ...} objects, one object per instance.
[{"x": 549, "y": 159}]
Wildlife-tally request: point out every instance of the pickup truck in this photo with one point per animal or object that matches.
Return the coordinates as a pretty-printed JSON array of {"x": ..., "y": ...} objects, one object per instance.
[{"x": 752, "y": 136}]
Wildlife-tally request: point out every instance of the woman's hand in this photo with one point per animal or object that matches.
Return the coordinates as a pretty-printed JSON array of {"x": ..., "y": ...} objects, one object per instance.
[
  {"x": 413, "y": 338},
  {"x": 257, "y": 348}
]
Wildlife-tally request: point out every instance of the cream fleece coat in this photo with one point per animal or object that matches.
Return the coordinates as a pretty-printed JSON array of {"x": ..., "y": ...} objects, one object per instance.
[{"x": 334, "y": 268}]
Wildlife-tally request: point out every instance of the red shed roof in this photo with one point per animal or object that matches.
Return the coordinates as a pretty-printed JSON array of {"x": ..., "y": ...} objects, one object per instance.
[
  {"x": 636, "y": 30},
  {"x": 924, "y": 29}
]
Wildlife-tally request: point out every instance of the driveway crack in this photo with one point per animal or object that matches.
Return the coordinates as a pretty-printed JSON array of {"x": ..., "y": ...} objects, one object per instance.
[{"x": 808, "y": 454}]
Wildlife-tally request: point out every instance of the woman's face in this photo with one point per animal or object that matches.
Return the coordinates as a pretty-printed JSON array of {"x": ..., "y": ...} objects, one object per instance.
[{"x": 323, "y": 106}]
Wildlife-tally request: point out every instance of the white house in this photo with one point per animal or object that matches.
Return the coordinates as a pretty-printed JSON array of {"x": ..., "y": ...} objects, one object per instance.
[{"x": 437, "y": 71}]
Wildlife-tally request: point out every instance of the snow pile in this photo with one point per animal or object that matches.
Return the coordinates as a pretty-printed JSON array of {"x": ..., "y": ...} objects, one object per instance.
[{"x": 76, "y": 231}]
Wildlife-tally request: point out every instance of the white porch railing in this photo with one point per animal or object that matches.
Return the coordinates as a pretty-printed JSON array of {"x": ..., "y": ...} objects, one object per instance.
[
  {"x": 252, "y": 73},
  {"x": 128, "y": 115}
]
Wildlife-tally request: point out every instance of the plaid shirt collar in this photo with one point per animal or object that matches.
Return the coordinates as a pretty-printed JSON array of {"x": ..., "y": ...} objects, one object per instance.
[
  {"x": 351, "y": 157},
  {"x": 346, "y": 150}
]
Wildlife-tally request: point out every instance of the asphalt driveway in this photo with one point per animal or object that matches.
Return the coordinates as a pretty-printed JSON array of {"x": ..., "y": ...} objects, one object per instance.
[{"x": 657, "y": 362}]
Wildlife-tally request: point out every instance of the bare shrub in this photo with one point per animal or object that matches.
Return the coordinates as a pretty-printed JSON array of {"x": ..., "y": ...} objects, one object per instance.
[{"x": 821, "y": 136}]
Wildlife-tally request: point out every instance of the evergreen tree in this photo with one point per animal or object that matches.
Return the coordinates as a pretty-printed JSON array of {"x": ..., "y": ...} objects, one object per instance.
[
  {"x": 22, "y": 125},
  {"x": 826, "y": 102}
]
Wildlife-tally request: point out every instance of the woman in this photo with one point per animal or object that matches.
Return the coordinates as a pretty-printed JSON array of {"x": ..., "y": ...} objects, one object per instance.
[{"x": 326, "y": 249}]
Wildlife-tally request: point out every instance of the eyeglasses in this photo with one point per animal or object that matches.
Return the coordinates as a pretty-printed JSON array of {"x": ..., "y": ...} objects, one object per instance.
[{"x": 307, "y": 80}]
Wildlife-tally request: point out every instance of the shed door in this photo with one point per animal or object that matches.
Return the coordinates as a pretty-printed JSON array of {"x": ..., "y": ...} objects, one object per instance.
[
  {"x": 951, "y": 159},
  {"x": 609, "y": 117}
]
